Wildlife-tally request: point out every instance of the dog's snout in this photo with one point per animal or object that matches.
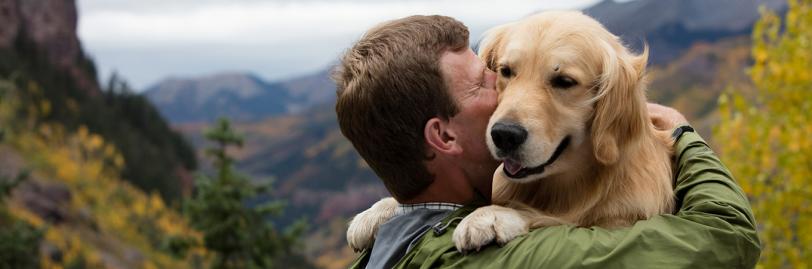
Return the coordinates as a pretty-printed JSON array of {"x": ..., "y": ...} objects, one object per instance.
[{"x": 508, "y": 137}]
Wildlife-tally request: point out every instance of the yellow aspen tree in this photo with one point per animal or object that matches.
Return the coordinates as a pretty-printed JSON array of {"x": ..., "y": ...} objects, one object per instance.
[{"x": 765, "y": 137}]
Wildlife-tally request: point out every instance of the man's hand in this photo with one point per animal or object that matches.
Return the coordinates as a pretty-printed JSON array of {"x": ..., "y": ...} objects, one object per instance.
[{"x": 665, "y": 118}]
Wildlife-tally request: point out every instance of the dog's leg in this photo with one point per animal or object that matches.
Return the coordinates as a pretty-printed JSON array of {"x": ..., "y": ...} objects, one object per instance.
[
  {"x": 500, "y": 224},
  {"x": 364, "y": 226},
  {"x": 488, "y": 224}
]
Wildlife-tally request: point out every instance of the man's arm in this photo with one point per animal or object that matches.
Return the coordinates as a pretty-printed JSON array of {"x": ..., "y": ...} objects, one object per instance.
[{"x": 714, "y": 228}]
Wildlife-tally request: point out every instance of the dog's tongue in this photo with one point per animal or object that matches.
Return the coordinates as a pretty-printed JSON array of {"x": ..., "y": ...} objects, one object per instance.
[{"x": 512, "y": 167}]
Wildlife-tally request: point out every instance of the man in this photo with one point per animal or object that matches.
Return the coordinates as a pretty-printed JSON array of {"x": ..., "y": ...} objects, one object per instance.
[{"x": 414, "y": 101}]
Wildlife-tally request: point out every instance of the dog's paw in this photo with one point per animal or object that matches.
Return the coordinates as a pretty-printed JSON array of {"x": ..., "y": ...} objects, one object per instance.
[
  {"x": 364, "y": 226},
  {"x": 486, "y": 225}
]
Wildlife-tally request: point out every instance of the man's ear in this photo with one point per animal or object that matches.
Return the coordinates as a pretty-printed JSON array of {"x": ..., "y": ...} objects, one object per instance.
[{"x": 440, "y": 138}]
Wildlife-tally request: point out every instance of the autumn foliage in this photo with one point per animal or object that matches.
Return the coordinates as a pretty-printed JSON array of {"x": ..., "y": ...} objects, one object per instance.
[
  {"x": 104, "y": 221},
  {"x": 764, "y": 136}
]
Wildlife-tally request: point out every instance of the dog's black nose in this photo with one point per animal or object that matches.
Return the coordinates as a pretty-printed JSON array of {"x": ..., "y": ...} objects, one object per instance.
[{"x": 508, "y": 137}]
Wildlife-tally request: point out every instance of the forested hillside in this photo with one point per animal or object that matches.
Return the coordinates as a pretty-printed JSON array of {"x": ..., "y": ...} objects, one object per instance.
[
  {"x": 91, "y": 176},
  {"x": 39, "y": 46}
]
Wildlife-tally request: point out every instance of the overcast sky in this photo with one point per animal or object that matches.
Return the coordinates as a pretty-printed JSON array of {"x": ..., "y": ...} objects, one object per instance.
[{"x": 149, "y": 40}]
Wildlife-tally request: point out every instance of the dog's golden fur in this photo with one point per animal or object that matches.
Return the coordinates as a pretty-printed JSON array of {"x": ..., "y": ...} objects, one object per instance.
[
  {"x": 617, "y": 167},
  {"x": 616, "y": 170}
]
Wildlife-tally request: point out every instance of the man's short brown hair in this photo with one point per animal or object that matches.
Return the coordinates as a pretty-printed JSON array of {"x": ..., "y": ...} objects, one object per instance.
[{"x": 389, "y": 84}]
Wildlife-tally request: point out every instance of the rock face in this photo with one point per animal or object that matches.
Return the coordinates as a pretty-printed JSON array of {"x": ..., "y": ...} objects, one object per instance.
[
  {"x": 48, "y": 200},
  {"x": 10, "y": 19},
  {"x": 50, "y": 27}
]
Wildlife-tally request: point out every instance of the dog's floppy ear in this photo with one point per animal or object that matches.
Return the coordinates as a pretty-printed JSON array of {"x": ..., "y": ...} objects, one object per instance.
[
  {"x": 620, "y": 114},
  {"x": 490, "y": 44}
]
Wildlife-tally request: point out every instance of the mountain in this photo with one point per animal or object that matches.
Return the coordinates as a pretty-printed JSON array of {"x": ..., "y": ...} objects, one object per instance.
[
  {"x": 672, "y": 27},
  {"x": 313, "y": 166},
  {"x": 310, "y": 90},
  {"x": 699, "y": 49},
  {"x": 693, "y": 82},
  {"x": 241, "y": 97},
  {"x": 323, "y": 178},
  {"x": 238, "y": 96}
]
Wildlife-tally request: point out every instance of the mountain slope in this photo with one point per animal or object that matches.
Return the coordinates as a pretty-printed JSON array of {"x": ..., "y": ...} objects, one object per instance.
[
  {"x": 99, "y": 163},
  {"x": 42, "y": 56},
  {"x": 693, "y": 82},
  {"x": 313, "y": 166},
  {"x": 238, "y": 96},
  {"x": 671, "y": 27},
  {"x": 310, "y": 90},
  {"x": 241, "y": 97}
]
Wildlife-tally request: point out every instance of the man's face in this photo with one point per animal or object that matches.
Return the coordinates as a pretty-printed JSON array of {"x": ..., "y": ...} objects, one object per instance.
[{"x": 473, "y": 88}]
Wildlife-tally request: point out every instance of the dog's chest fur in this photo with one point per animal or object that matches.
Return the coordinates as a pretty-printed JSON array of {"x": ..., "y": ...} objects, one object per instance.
[{"x": 637, "y": 187}]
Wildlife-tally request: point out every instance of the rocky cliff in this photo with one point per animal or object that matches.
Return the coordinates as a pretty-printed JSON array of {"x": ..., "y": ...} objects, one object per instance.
[{"x": 49, "y": 26}]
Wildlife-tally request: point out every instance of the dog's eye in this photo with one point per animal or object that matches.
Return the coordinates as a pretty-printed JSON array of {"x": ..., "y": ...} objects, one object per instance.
[
  {"x": 505, "y": 71},
  {"x": 563, "y": 82}
]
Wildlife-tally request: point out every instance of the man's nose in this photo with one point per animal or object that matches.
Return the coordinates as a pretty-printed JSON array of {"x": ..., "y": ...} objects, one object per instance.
[{"x": 507, "y": 136}]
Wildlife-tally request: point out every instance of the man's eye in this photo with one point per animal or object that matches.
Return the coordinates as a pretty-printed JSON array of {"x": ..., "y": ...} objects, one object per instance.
[
  {"x": 505, "y": 71},
  {"x": 563, "y": 82}
]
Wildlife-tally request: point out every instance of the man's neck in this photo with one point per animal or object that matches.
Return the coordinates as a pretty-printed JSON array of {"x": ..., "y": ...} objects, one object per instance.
[
  {"x": 450, "y": 190},
  {"x": 453, "y": 183}
]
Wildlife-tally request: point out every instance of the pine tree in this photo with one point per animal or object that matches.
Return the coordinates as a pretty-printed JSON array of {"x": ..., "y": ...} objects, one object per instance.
[{"x": 240, "y": 234}]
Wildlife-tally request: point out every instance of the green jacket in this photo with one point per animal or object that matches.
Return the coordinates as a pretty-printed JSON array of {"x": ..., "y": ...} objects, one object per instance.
[{"x": 714, "y": 228}]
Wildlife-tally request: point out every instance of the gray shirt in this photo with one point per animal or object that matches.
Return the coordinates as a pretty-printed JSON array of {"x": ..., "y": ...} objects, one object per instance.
[{"x": 397, "y": 236}]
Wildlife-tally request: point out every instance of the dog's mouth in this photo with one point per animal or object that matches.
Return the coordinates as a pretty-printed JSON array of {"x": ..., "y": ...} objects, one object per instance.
[{"x": 514, "y": 169}]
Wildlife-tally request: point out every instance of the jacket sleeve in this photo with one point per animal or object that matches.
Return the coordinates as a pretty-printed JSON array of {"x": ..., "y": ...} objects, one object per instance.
[{"x": 714, "y": 228}]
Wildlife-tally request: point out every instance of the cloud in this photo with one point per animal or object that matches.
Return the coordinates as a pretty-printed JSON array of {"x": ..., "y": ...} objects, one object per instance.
[{"x": 293, "y": 28}]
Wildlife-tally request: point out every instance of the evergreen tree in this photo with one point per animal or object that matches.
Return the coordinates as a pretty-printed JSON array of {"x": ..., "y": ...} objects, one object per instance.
[
  {"x": 240, "y": 234},
  {"x": 765, "y": 140}
]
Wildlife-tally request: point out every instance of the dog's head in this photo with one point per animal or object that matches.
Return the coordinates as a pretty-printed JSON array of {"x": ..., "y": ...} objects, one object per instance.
[{"x": 568, "y": 90}]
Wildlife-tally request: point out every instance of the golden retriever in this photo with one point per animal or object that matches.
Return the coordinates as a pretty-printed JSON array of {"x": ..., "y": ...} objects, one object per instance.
[{"x": 572, "y": 130}]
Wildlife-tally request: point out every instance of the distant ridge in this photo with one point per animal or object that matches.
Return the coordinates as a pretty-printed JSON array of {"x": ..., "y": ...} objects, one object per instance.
[
  {"x": 671, "y": 27},
  {"x": 239, "y": 96}
]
